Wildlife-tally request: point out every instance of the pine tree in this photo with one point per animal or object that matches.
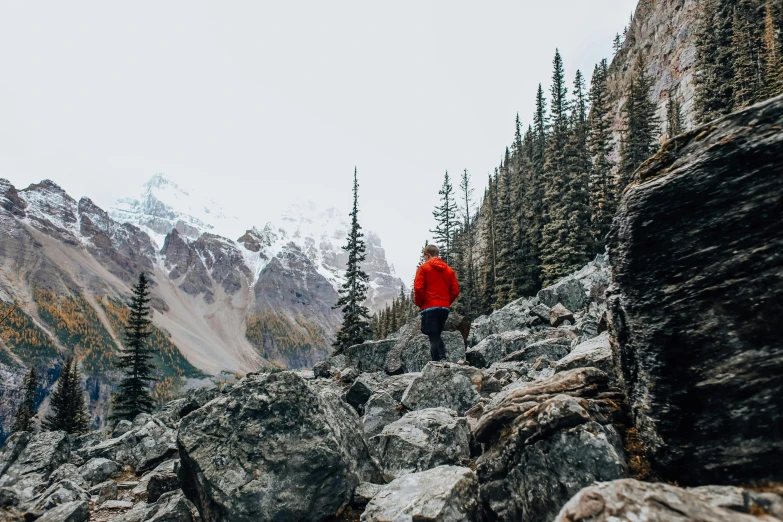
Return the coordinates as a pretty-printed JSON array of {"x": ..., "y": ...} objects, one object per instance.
[
  {"x": 714, "y": 61},
  {"x": 673, "y": 117},
  {"x": 68, "y": 412},
  {"x": 467, "y": 303},
  {"x": 504, "y": 236},
  {"x": 355, "y": 327},
  {"x": 746, "y": 70},
  {"x": 600, "y": 140},
  {"x": 133, "y": 395},
  {"x": 540, "y": 126},
  {"x": 524, "y": 275},
  {"x": 773, "y": 57},
  {"x": 489, "y": 257},
  {"x": 445, "y": 215},
  {"x": 24, "y": 417},
  {"x": 642, "y": 125},
  {"x": 617, "y": 44},
  {"x": 555, "y": 176}
]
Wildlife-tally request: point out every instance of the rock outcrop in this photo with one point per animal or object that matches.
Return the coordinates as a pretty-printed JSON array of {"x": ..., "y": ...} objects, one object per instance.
[
  {"x": 697, "y": 287},
  {"x": 300, "y": 446}
]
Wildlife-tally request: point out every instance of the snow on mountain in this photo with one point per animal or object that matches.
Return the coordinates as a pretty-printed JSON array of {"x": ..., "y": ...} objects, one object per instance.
[{"x": 319, "y": 234}]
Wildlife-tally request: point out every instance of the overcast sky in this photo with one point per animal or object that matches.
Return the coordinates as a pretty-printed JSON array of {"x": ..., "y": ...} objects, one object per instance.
[{"x": 263, "y": 104}]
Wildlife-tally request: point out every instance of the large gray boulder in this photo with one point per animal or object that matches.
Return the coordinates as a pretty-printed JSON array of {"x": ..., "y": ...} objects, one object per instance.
[
  {"x": 275, "y": 447},
  {"x": 76, "y": 511},
  {"x": 595, "y": 353},
  {"x": 57, "y": 494},
  {"x": 99, "y": 469},
  {"x": 442, "y": 494},
  {"x": 517, "y": 315},
  {"x": 550, "y": 349},
  {"x": 146, "y": 445},
  {"x": 194, "y": 399},
  {"x": 695, "y": 302},
  {"x": 577, "y": 290},
  {"x": 445, "y": 385},
  {"x": 421, "y": 440},
  {"x": 362, "y": 389},
  {"x": 383, "y": 407},
  {"x": 416, "y": 352},
  {"x": 170, "y": 507},
  {"x": 543, "y": 442},
  {"x": 370, "y": 356},
  {"x": 27, "y": 461},
  {"x": 630, "y": 499},
  {"x": 496, "y": 346}
]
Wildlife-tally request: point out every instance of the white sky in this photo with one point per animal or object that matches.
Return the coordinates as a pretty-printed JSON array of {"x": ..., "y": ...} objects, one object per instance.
[{"x": 263, "y": 104}]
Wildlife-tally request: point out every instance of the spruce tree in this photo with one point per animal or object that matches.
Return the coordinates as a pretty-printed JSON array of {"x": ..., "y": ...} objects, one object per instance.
[
  {"x": 674, "y": 118},
  {"x": 641, "y": 126},
  {"x": 617, "y": 43},
  {"x": 467, "y": 304},
  {"x": 714, "y": 60},
  {"x": 504, "y": 237},
  {"x": 445, "y": 215},
  {"x": 68, "y": 412},
  {"x": 489, "y": 256},
  {"x": 524, "y": 262},
  {"x": 540, "y": 126},
  {"x": 135, "y": 360},
  {"x": 355, "y": 328},
  {"x": 772, "y": 55},
  {"x": 746, "y": 60},
  {"x": 24, "y": 417},
  {"x": 600, "y": 141}
]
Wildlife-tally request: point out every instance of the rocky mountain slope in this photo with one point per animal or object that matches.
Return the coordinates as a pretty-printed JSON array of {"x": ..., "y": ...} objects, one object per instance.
[
  {"x": 221, "y": 306},
  {"x": 660, "y": 361}
]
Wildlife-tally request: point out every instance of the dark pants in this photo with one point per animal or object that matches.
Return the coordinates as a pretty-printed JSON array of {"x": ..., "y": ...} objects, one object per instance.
[{"x": 432, "y": 323}]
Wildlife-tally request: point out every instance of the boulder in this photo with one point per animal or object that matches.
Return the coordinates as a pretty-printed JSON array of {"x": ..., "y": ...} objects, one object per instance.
[
  {"x": 27, "y": 461},
  {"x": 370, "y": 356},
  {"x": 323, "y": 369},
  {"x": 514, "y": 316},
  {"x": 541, "y": 311},
  {"x": 348, "y": 375},
  {"x": 149, "y": 443},
  {"x": 559, "y": 314},
  {"x": 743, "y": 500},
  {"x": 161, "y": 482},
  {"x": 104, "y": 491},
  {"x": 411, "y": 350},
  {"x": 62, "y": 492},
  {"x": 442, "y": 494},
  {"x": 194, "y": 399},
  {"x": 544, "y": 441},
  {"x": 595, "y": 353},
  {"x": 696, "y": 300},
  {"x": 421, "y": 440},
  {"x": 579, "y": 289},
  {"x": 99, "y": 469},
  {"x": 141, "y": 492},
  {"x": 630, "y": 499},
  {"x": 123, "y": 426},
  {"x": 76, "y": 511},
  {"x": 275, "y": 447},
  {"x": 445, "y": 385},
  {"x": 495, "y": 347},
  {"x": 170, "y": 507},
  {"x": 365, "y": 492},
  {"x": 87, "y": 439},
  {"x": 416, "y": 352},
  {"x": 10, "y": 497},
  {"x": 362, "y": 388},
  {"x": 550, "y": 349},
  {"x": 379, "y": 411},
  {"x": 68, "y": 472}
]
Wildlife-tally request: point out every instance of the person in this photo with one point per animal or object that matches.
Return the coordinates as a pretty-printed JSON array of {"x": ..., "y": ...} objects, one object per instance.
[{"x": 434, "y": 290}]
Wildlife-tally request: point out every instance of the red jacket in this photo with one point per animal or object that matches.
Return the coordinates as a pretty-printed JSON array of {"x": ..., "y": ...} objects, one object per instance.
[{"x": 435, "y": 285}]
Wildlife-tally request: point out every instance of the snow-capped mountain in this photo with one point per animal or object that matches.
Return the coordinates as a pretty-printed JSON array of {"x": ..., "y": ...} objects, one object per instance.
[{"x": 163, "y": 206}]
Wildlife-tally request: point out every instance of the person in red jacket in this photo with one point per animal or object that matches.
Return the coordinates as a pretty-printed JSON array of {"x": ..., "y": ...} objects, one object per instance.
[{"x": 434, "y": 290}]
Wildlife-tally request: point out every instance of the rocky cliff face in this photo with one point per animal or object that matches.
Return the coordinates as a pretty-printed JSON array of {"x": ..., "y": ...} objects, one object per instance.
[
  {"x": 663, "y": 32},
  {"x": 697, "y": 288}
]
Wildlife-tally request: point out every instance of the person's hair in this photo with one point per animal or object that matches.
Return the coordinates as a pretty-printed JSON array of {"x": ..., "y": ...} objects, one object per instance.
[{"x": 432, "y": 250}]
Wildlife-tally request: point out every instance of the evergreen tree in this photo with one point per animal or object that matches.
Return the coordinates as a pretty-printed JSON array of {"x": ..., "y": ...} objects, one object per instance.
[
  {"x": 68, "y": 412},
  {"x": 714, "y": 61},
  {"x": 540, "y": 125},
  {"x": 445, "y": 215},
  {"x": 746, "y": 60},
  {"x": 642, "y": 125},
  {"x": 532, "y": 210},
  {"x": 673, "y": 117},
  {"x": 467, "y": 303},
  {"x": 600, "y": 140},
  {"x": 133, "y": 395},
  {"x": 24, "y": 417},
  {"x": 524, "y": 274},
  {"x": 773, "y": 57},
  {"x": 355, "y": 328},
  {"x": 617, "y": 44},
  {"x": 504, "y": 237},
  {"x": 555, "y": 176},
  {"x": 489, "y": 268}
]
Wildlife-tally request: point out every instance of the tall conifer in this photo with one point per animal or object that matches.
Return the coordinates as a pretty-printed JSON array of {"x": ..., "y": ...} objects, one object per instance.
[
  {"x": 467, "y": 304},
  {"x": 714, "y": 60},
  {"x": 772, "y": 55},
  {"x": 674, "y": 124},
  {"x": 68, "y": 412},
  {"x": 133, "y": 393},
  {"x": 355, "y": 328},
  {"x": 445, "y": 215},
  {"x": 489, "y": 260},
  {"x": 24, "y": 417},
  {"x": 600, "y": 140}
]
